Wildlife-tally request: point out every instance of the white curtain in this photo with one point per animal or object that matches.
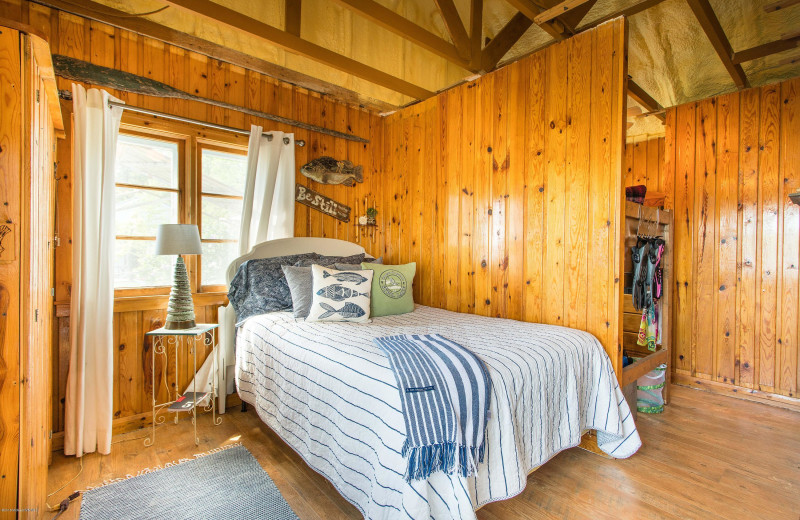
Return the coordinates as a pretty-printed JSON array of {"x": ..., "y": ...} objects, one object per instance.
[
  {"x": 89, "y": 397},
  {"x": 268, "y": 209},
  {"x": 267, "y": 214}
]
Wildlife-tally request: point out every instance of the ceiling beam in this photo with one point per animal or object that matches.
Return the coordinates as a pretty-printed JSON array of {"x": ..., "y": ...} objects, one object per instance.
[
  {"x": 300, "y": 47},
  {"x": 505, "y": 39},
  {"x": 455, "y": 27},
  {"x": 780, "y": 4},
  {"x": 405, "y": 28},
  {"x": 643, "y": 98},
  {"x": 142, "y": 26},
  {"x": 711, "y": 26},
  {"x": 475, "y": 33},
  {"x": 554, "y": 28},
  {"x": 559, "y": 9},
  {"x": 766, "y": 49},
  {"x": 573, "y": 18},
  {"x": 636, "y": 8},
  {"x": 292, "y": 10}
]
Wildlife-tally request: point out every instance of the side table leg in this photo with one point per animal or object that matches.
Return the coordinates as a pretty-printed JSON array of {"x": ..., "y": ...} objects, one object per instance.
[
  {"x": 214, "y": 386},
  {"x": 194, "y": 408},
  {"x": 157, "y": 344},
  {"x": 178, "y": 346}
]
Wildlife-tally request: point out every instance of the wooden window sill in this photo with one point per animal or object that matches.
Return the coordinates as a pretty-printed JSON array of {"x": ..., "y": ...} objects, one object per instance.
[{"x": 152, "y": 302}]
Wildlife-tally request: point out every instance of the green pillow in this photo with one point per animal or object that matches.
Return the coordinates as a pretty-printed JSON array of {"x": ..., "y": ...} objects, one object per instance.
[{"x": 391, "y": 288}]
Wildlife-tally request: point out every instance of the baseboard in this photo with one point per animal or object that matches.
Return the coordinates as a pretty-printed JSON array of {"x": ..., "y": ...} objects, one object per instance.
[
  {"x": 738, "y": 392},
  {"x": 136, "y": 422}
]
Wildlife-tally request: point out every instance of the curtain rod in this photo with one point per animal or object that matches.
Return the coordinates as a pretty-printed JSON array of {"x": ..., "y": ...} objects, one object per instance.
[
  {"x": 67, "y": 96},
  {"x": 140, "y": 110}
]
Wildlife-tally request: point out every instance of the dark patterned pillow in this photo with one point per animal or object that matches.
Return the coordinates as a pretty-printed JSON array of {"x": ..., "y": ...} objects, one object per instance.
[
  {"x": 330, "y": 260},
  {"x": 260, "y": 286}
]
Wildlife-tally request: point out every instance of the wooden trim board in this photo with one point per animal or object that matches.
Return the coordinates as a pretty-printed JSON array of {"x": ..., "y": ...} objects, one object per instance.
[{"x": 738, "y": 392}]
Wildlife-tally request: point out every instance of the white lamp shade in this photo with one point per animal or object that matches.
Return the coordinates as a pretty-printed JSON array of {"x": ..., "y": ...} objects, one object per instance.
[{"x": 178, "y": 239}]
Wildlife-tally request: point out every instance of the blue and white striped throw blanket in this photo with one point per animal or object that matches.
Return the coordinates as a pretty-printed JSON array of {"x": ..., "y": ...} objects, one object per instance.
[{"x": 444, "y": 390}]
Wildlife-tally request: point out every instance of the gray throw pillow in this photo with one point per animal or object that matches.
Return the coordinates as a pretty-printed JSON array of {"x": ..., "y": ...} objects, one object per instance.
[
  {"x": 299, "y": 280},
  {"x": 260, "y": 286}
]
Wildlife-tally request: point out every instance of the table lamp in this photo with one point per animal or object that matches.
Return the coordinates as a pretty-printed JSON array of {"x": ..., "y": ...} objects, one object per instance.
[{"x": 179, "y": 239}]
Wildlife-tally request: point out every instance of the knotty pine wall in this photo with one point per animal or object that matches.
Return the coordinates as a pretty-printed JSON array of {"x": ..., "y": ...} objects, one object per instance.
[
  {"x": 108, "y": 46},
  {"x": 27, "y": 185},
  {"x": 539, "y": 143},
  {"x": 731, "y": 162},
  {"x": 644, "y": 163},
  {"x": 506, "y": 190}
]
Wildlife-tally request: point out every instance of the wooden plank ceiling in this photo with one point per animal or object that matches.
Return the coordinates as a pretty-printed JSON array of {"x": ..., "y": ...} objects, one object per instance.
[{"x": 423, "y": 46}]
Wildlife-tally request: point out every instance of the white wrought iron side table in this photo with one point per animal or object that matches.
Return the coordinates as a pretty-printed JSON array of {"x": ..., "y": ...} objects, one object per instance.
[{"x": 201, "y": 335}]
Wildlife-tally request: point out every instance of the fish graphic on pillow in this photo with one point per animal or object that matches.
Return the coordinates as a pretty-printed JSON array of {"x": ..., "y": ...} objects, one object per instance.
[
  {"x": 338, "y": 292},
  {"x": 349, "y": 310},
  {"x": 346, "y": 277}
]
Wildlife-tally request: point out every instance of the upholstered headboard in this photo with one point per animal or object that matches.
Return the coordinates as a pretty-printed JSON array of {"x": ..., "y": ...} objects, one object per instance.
[
  {"x": 294, "y": 246},
  {"x": 226, "y": 354}
]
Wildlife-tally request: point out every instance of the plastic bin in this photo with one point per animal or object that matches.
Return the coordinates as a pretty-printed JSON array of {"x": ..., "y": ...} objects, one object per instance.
[{"x": 649, "y": 388}]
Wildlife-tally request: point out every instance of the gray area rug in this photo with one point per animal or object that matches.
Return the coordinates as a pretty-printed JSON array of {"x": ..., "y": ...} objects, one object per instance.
[{"x": 229, "y": 484}]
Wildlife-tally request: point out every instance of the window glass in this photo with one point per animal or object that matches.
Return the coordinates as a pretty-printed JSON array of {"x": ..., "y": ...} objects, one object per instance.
[
  {"x": 224, "y": 173},
  {"x": 222, "y": 182},
  {"x": 146, "y": 196},
  {"x": 217, "y": 256},
  {"x": 146, "y": 162}
]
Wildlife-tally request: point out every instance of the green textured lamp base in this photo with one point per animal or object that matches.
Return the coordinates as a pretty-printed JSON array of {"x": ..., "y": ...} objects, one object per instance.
[
  {"x": 180, "y": 309},
  {"x": 179, "y": 325}
]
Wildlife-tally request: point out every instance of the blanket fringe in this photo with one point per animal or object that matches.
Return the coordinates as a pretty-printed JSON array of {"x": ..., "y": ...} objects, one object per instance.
[
  {"x": 145, "y": 471},
  {"x": 424, "y": 460}
]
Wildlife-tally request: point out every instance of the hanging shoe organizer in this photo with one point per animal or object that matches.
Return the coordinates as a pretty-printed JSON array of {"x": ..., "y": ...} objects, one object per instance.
[{"x": 646, "y": 323}]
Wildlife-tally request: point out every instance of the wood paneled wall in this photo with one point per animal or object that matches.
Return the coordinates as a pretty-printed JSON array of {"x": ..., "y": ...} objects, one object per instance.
[
  {"x": 105, "y": 45},
  {"x": 644, "y": 163},
  {"x": 26, "y": 272},
  {"x": 731, "y": 162},
  {"x": 506, "y": 191},
  {"x": 11, "y": 141}
]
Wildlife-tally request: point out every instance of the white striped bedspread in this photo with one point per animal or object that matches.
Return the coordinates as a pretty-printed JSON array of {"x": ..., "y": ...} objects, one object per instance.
[{"x": 330, "y": 393}]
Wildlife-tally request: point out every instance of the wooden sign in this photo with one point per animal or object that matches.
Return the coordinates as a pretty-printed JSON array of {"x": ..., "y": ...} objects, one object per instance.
[{"x": 321, "y": 203}]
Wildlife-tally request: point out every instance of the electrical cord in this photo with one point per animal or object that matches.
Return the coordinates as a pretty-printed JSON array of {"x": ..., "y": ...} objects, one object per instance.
[{"x": 62, "y": 506}]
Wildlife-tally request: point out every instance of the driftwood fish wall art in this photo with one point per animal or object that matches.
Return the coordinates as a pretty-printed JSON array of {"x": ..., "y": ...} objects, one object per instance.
[{"x": 327, "y": 170}]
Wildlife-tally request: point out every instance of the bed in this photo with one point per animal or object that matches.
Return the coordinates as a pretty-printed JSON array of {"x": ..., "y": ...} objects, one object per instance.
[{"x": 330, "y": 394}]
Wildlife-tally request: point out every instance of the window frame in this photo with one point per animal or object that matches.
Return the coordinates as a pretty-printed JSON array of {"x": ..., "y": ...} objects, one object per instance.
[
  {"x": 180, "y": 141},
  {"x": 193, "y": 139},
  {"x": 217, "y": 147}
]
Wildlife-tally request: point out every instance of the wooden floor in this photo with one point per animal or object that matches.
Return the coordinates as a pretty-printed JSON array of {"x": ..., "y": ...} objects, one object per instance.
[{"x": 699, "y": 460}]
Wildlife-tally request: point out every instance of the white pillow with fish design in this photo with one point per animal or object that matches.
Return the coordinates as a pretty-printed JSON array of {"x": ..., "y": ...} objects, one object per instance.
[{"x": 340, "y": 295}]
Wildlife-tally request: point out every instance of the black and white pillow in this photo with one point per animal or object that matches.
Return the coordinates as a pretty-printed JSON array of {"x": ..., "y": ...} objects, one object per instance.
[{"x": 340, "y": 295}]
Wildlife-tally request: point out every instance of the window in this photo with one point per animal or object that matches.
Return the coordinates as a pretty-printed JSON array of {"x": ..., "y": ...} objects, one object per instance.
[
  {"x": 147, "y": 194},
  {"x": 222, "y": 179},
  {"x": 166, "y": 173}
]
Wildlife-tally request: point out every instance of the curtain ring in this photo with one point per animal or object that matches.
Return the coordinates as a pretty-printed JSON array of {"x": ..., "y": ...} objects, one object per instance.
[
  {"x": 285, "y": 140},
  {"x": 269, "y": 138}
]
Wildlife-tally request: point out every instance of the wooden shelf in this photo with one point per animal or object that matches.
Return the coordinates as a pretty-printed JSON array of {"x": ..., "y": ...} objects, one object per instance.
[{"x": 644, "y": 365}]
